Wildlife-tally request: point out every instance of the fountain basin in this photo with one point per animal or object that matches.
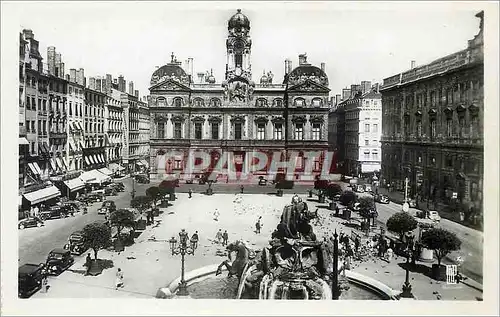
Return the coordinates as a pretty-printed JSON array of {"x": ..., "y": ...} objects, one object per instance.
[{"x": 203, "y": 284}]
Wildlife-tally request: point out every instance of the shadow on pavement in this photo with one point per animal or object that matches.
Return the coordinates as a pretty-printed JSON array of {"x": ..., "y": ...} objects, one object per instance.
[{"x": 417, "y": 268}]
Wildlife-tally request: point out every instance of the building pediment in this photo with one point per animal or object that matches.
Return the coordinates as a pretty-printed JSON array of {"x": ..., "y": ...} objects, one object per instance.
[
  {"x": 309, "y": 86},
  {"x": 169, "y": 85}
]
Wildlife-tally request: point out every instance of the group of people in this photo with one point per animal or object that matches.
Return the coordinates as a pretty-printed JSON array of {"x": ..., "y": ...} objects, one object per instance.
[{"x": 222, "y": 237}]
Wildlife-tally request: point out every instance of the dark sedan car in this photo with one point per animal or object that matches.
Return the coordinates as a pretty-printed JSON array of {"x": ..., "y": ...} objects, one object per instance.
[
  {"x": 30, "y": 222},
  {"x": 59, "y": 260},
  {"x": 29, "y": 279},
  {"x": 54, "y": 212},
  {"x": 383, "y": 199}
]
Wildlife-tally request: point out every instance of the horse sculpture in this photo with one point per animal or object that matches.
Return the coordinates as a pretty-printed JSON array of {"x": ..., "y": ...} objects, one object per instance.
[{"x": 237, "y": 266}]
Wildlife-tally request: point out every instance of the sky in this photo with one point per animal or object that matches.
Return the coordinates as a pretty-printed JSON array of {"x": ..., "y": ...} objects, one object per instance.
[{"x": 357, "y": 41}]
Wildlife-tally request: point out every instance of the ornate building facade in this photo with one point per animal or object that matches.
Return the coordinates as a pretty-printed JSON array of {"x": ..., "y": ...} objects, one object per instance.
[
  {"x": 237, "y": 116},
  {"x": 433, "y": 127}
]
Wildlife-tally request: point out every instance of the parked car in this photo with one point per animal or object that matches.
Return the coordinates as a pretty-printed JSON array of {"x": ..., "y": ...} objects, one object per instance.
[
  {"x": 107, "y": 207},
  {"x": 358, "y": 188},
  {"x": 368, "y": 188},
  {"x": 59, "y": 260},
  {"x": 54, "y": 212},
  {"x": 142, "y": 179},
  {"x": 30, "y": 222},
  {"x": 262, "y": 182},
  {"x": 381, "y": 198},
  {"x": 119, "y": 186},
  {"x": 433, "y": 215},
  {"x": 77, "y": 243},
  {"x": 95, "y": 197},
  {"x": 29, "y": 279},
  {"x": 110, "y": 191},
  {"x": 72, "y": 205}
]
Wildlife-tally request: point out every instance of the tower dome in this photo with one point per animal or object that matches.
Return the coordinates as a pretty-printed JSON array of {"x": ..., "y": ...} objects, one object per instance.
[
  {"x": 239, "y": 20},
  {"x": 264, "y": 79},
  {"x": 211, "y": 78}
]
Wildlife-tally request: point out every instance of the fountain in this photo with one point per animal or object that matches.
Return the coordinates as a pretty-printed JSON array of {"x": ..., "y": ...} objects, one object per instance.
[{"x": 295, "y": 266}]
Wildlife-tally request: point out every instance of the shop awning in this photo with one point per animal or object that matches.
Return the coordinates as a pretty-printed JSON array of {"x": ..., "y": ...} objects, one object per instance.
[
  {"x": 23, "y": 141},
  {"x": 59, "y": 163},
  {"x": 41, "y": 195},
  {"x": 33, "y": 168},
  {"x": 37, "y": 167},
  {"x": 145, "y": 163},
  {"x": 82, "y": 145},
  {"x": 96, "y": 160},
  {"x": 102, "y": 158},
  {"x": 139, "y": 163},
  {"x": 91, "y": 159},
  {"x": 94, "y": 177},
  {"x": 74, "y": 184},
  {"x": 53, "y": 164},
  {"x": 87, "y": 160},
  {"x": 105, "y": 171},
  {"x": 87, "y": 176},
  {"x": 113, "y": 167}
]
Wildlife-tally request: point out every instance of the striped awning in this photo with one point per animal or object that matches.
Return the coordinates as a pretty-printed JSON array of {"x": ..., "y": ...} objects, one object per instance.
[
  {"x": 87, "y": 160},
  {"x": 53, "y": 165},
  {"x": 96, "y": 159},
  {"x": 59, "y": 163},
  {"x": 42, "y": 194},
  {"x": 33, "y": 168},
  {"x": 23, "y": 141},
  {"x": 37, "y": 167},
  {"x": 74, "y": 184},
  {"x": 103, "y": 158},
  {"x": 91, "y": 159}
]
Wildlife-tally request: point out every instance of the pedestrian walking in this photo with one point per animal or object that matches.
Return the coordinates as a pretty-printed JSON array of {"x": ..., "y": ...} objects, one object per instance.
[
  {"x": 241, "y": 188},
  {"x": 190, "y": 192},
  {"x": 225, "y": 237},
  {"x": 258, "y": 225},
  {"x": 119, "y": 278},
  {"x": 357, "y": 242},
  {"x": 390, "y": 253},
  {"x": 88, "y": 263},
  {"x": 45, "y": 283},
  {"x": 195, "y": 238},
  {"x": 216, "y": 215},
  {"x": 218, "y": 236}
]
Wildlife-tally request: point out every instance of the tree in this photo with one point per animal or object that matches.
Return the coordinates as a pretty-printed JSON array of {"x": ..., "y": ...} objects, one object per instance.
[
  {"x": 348, "y": 197},
  {"x": 97, "y": 235},
  {"x": 367, "y": 208},
  {"x": 401, "y": 223},
  {"x": 332, "y": 190},
  {"x": 141, "y": 202},
  {"x": 441, "y": 241},
  {"x": 122, "y": 218},
  {"x": 153, "y": 192}
]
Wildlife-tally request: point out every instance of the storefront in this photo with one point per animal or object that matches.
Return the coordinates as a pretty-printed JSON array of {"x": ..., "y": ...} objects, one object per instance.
[
  {"x": 117, "y": 169},
  {"x": 95, "y": 178},
  {"x": 106, "y": 171},
  {"x": 74, "y": 187},
  {"x": 47, "y": 196}
]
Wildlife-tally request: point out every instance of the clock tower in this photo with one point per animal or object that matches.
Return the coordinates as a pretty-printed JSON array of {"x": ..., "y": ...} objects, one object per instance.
[{"x": 238, "y": 45}]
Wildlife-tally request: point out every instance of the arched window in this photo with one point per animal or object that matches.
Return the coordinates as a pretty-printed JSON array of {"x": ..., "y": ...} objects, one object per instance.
[
  {"x": 261, "y": 102},
  {"x": 215, "y": 102},
  {"x": 278, "y": 102},
  {"x": 161, "y": 102},
  {"x": 316, "y": 102},
  {"x": 198, "y": 102},
  {"x": 299, "y": 102},
  {"x": 178, "y": 102}
]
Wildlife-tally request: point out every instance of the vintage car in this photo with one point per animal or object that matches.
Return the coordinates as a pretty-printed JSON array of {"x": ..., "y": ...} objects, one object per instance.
[
  {"x": 110, "y": 191},
  {"x": 77, "y": 243},
  {"x": 30, "y": 222},
  {"x": 381, "y": 198},
  {"x": 368, "y": 188},
  {"x": 118, "y": 186},
  {"x": 359, "y": 188},
  {"x": 54, "y": 212},
  {"x": 59, "y": 260},
  {"x": 262, "y": 182},
  {"x": 107, "y": 207},
  {"x": 29, "y": 279},
  {"x": 142, "y": 179},
  {"x": 72, "y": 205},
  {"x": 94, "y": 197}
]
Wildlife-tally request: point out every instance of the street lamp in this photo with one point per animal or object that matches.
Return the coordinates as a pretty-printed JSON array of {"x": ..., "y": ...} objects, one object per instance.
[
  {"x": 407, "y": 286},
  {"x": 183, "y": 248},
  {"x": 335, "y": 277}
]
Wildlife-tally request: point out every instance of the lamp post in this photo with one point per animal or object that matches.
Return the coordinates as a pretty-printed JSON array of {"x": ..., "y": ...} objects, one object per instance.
[
  {"x": 183, "y": 248},
  {"x": 335, "y": 277},
  {"x": 407, "y": 286},
  {"x": 406, "y": 206}
]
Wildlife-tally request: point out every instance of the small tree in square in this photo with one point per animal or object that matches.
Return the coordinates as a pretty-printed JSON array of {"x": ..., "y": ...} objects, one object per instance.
[
  {"x": 441, "y": 241},
  {"x": 332, "y": 190},
  {"x": 367, "y": 208},
  {"x": 97, "y": 235},
  {"x": 154, "y": 193},
  {"x": 122, "y": 218},
  {"x": 348, "y": 197},
  {"x": 401, "y": 223},
  {"x": 141, "y": 202}
]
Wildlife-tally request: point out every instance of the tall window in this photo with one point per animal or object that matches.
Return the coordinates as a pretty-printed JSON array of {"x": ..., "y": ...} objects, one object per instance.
[
  {"x": 239, "y": 60},
  {"x": 367, "y": 127},
  {"x": 461, "y": 126},
  {"x": 433, "y": 128},
  {"x": 177, "y": 130},
  {"x": 299, "y": 102},
  {"x": 367, "y": 142},
  {"x": 375, "y": 127},
  {"x": 316, "y": 102},
  {"x": 316, "y": 131},
  {"x": 278, "y": 131},
  {"x": 419, "y": 128},
  {"x": 449, "y": 127},
  {"x": 70, "y": 108},
  {"x": 161, "y": 130},
  {"x": 261, "y": 131},
  {"x": 474, "y": 126},
  {"x": 299, "y": 131},
  {"x": 279, "y": 103},
  {"x": 197, "y": 131},
  {"x": 237, "y": 131},
  {"x": 375, "y": 155},
  {"x": 215, "y": 130}
]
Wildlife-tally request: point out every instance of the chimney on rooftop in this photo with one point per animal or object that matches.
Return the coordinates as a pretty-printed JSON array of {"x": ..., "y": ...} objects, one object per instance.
[
  {"x": 323, "y": 67},
  {"x": 92, "y": 83},
  {"x": 201, "y": 77},
  {"x": 412, "y": 64},
  {"x": 72, "y": 75},
  {"x": 136, "y": 93},
  {"x": 131, "y": 88},
  {"x": 303, "y": 59}
]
